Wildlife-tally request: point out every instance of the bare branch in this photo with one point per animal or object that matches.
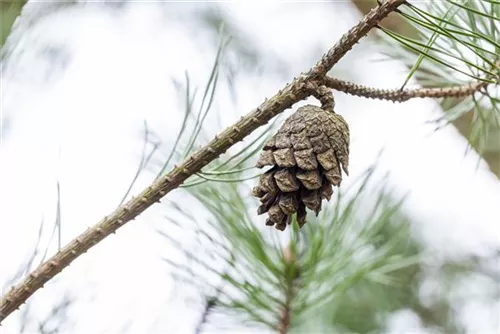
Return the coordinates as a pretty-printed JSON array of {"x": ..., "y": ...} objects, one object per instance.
[
  {"x": 397, "y": 95},
  {"x": 284, "y": 99}
]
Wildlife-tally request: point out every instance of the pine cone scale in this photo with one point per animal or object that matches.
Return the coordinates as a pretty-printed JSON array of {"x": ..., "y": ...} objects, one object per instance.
[
  {"x": 286, "y": 180},
  {"x": 305, "y": 159},
  {"x": 327, "y": 159},
  {"x": 288, "y": 203},
  {"x": 310, "y": 179},
  {"x": 284, "y": 157}
]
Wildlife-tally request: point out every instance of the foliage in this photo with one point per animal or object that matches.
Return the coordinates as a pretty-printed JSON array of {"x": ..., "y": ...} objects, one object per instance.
[
  {"x": 336, "y": 252},
  {"x": 457, "y": 42}
]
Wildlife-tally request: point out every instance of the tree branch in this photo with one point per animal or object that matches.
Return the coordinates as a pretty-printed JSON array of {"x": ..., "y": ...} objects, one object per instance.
[
  {"x": 284, "y": 99},
  {"x": 397, "y": 95},
  {"x": 348, "y": 40}
]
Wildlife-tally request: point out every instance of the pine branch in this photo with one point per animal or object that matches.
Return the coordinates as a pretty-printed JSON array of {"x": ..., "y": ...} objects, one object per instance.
[
  {"x": 402, "y": 95},
  {"x": 284, "y": 99},
  {"x": 264, "y": 287},
  {"x": 398, "y": 95}
]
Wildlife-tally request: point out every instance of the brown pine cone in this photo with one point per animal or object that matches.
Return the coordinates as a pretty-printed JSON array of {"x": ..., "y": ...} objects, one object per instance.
[{"x": 306, "y": 155}]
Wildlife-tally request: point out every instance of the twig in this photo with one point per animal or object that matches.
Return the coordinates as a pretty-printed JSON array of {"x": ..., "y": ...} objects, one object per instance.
[
  {"x": 397, "y": 95},
  {"x": 402, "y": 95},
  {"x": 284, "y": 99}
]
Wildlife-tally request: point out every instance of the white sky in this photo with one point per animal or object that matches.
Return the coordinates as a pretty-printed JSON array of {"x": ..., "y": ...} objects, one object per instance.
[{"x": 82, "y": 126}]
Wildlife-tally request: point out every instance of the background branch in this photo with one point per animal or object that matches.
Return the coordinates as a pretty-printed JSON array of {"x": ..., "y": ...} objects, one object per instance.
[{"x": 284, "y": 99}]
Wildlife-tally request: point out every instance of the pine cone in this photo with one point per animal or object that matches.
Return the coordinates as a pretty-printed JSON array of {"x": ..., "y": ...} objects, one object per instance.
[{"x": 306, "y": 156}]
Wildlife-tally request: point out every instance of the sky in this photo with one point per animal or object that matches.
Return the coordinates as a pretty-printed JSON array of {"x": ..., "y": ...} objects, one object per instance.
[{"x": 78, "y": 87}]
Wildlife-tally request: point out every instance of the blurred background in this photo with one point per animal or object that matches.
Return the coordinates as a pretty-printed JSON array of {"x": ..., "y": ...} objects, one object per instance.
[{"x": 98, "y": 98}]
